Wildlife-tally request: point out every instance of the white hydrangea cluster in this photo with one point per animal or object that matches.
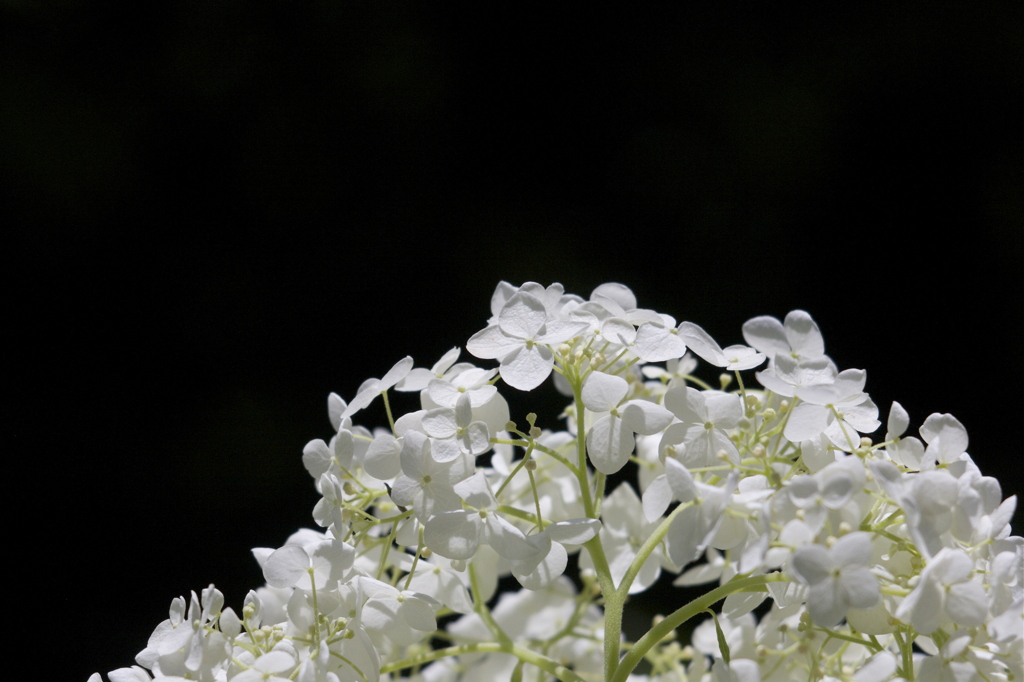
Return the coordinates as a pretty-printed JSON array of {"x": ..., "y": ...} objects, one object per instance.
[{"x": 866, "y": 560}]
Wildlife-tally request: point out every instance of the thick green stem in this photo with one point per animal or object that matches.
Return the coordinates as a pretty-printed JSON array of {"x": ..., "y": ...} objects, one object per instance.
[
  {"x": 613, "y": 602},
  {"x": 683, "y": 614}
]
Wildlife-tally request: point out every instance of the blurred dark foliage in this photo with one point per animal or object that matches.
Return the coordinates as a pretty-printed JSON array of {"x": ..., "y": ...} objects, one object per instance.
[{"x": 214, "y": 213}]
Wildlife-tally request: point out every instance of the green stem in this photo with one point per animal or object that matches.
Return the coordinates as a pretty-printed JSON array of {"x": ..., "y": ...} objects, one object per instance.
[
  {"x": 483, "y": 611},
  {"x": 525, "y": 655},
  {"x": 613, "y": 602},
  {"x": 683, "y": 614},
  {"x": 387, "y": 408}
]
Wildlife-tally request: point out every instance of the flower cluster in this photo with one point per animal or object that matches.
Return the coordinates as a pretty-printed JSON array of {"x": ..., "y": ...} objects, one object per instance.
[{"x": 863, "y": 559}]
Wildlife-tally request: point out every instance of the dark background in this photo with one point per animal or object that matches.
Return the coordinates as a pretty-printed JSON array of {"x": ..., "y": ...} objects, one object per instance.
[{"x": 215, "y": 213}]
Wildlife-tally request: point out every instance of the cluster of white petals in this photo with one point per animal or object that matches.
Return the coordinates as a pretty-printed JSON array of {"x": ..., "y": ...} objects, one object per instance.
[{"x": 445, "y": 535}]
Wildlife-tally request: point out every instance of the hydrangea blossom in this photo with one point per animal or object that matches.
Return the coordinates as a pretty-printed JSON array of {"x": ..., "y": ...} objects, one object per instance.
[{"x": 446, "y": 532}]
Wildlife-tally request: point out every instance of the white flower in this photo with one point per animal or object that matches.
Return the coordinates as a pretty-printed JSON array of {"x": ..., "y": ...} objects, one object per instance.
[
  {"x": 403, "y": 616},
  {"x": 658, "y": 341},
  {"x": 705, "y": 417},
  {"x": 454, "y": 431},
  {"x": 274, "y": 666},
  {"x": 520, "y": 340},
  {"x": 692, "y": 528},
  {"x": 472, "y": 381},
  {"x": 840, "y": 410},
  {"x": 371, "y": 388},
  {"x": 610, "y": 439},
  {"x": 307, "y": 568},
  {"x": 838, "y": 577},
  {"x": 418, "y": 377},
  {"x": 435, "y": 578},
  {"x": 319, "y": 458},
  {"x": 907, "y": 451},
  {"x": 457, "y": 533},
  {"x": 736, "y": 357},
  {"x": 799, "y": 338},
  {"x": 946, "y": 438},
  {"x": 786, "y": 375},
  {"x": 425, "y": 484},
  {"x": 945, "y": 592}
]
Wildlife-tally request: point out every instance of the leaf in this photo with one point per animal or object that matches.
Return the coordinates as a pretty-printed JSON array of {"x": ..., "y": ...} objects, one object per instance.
[{"x": 722, "y": 644}]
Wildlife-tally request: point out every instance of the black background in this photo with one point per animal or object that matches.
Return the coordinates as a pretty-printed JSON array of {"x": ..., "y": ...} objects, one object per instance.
[{"x": 215, "y": 213}]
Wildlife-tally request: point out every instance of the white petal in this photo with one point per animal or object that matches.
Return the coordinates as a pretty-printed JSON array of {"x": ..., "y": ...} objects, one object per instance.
[
  {"x": 922, "y": 608},
  {"x": 476, "y": 491},
  {"x": 738, "y": 357},
  {"x": 643, "y": 416},
  {"x": 687, "y": 404},
  {"x": 454, "y": 534},
  {"x": 491, "y": 343},
  {"x": 967, "y": 604},
  {"x": 812, "y": 564},
  {"x": 724, "y": 409},
  {"x": 476, "y": 440},
  {"x": 396, "y": 373},
  {"x": 445, "y": 450},
  {"x": 382, "y": 458},
  {"x": 618, "y": 331},
  {"x": 898, "y": 421},
  {"x": 680, "y": 481},
  {"x": 609, "y": 445},
  {"x": 701, "y": 344},
  {"x": 286, "y": 566},
  {"x": 557, "y": 331},
  {"x": 463, "y": 410},
  {"x": 860, "y": 589},
  {"x": 418, "y": 615},
  {"x": 335, "y": 408},
  {"x": 803, "y": 335},
  {"x": 657, "y": 498},
  {"x": 825, "y": 605},
  {"x": 507, "y": 540},
  {"x": 527, "y": 368},
  {"x": 655, "y": 343},
  {"x": 806, "y": 421},
  {"x": 878, "y": 668},
  {"x": 740, "y": 604},
  {"x": 316, "y": 457},
  {"x": 522, "y": 316},
  {"x": 440, "y": 422},
  {"x": 767, "y": 335},
  {"x": 602, "y": 392},
  {"x": 573, "y": 532},
  {"x": 620, "y": 294},
  {"x": 686, "y": 536},
  {"x": 546, "y": 571},
  {"x": 853, "y": 549}
]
